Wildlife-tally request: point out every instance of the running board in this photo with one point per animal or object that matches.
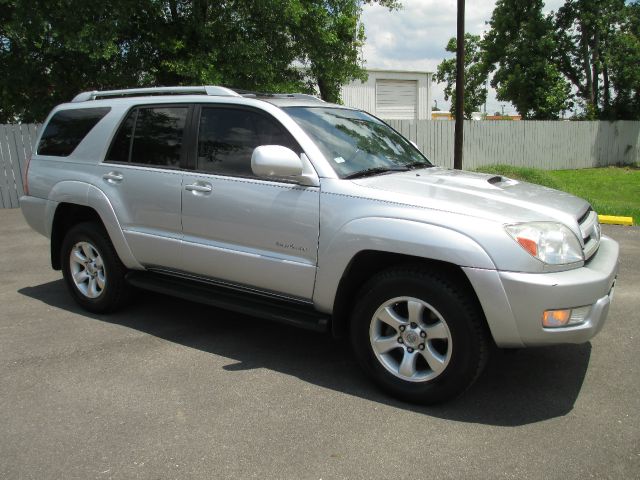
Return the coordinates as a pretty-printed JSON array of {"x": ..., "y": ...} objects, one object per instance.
[{"x": 278, "y": 310}]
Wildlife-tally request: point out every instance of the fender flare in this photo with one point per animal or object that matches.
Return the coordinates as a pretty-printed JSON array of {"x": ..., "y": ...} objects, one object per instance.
[
  {"x": 101, "y": 204},
  {"x": 87, "y": 195},
  {"x": 390, "y": 235}
]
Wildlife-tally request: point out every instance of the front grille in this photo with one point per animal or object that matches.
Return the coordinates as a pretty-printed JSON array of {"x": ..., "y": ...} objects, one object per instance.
[{"x": 590, "y": 231}]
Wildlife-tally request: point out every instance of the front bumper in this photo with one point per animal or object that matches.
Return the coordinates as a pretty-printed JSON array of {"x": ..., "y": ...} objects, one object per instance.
[{"x": 515, "y": 302}]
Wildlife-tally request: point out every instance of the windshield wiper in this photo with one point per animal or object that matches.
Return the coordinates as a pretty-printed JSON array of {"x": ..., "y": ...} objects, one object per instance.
[
  {"x": 416, "y": 165},
  {"x": 375, "y": 171}
]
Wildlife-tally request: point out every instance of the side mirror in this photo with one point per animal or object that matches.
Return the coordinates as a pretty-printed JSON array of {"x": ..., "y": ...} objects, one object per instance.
[{"x": 275, "y": 161}]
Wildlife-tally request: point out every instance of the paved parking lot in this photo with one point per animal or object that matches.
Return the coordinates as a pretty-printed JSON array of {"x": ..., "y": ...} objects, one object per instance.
[{"x": 170, "y": 389}]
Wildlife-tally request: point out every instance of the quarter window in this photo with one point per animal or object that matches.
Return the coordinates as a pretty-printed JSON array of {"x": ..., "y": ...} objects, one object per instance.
[
  {"x": 67, "y": 128},
  {"x": 151, "y": 136},
  {"x": 227, "y": 138},
  {"x": 121, "y": 146}
]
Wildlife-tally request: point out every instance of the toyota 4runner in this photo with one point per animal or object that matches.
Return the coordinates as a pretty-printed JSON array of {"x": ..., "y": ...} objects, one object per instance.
[{"x": 292, "y": 209}]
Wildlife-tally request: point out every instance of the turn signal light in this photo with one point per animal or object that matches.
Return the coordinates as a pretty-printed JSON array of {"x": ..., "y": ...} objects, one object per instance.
[{"x": 529, "y": 245}]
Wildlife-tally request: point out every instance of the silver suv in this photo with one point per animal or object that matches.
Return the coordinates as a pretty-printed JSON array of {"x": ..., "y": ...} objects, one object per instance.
[{"x": 317, "y": 215}]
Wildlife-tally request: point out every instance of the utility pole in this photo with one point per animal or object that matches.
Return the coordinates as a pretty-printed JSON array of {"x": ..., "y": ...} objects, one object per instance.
[
  {"x": 459, "y": 139},
  {"x": 486, "y": 95}
]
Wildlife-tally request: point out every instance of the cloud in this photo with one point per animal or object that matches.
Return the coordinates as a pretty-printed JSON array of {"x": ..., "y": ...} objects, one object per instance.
[
  {"x": 420, "y": 30},
  {"x": 415, "y": 37}
]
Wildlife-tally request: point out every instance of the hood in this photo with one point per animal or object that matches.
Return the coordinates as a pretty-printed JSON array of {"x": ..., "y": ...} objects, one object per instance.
[{"x": 482, "y": 195}]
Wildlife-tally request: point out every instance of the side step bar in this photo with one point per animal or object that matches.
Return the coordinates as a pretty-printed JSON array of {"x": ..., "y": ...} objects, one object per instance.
[{"x": 278, "y": 310}]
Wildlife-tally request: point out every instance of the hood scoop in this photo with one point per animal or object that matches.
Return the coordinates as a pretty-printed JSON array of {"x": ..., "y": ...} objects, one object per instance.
[{"x": 496, "y": 179}]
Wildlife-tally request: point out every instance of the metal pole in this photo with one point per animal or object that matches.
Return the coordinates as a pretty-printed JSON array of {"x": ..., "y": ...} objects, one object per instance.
[
  {"x": 486, "y": 95},
  {"x": 457, "y": 157}
]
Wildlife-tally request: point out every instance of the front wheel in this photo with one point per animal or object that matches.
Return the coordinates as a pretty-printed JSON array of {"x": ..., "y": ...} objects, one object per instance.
[
  {"x": 92, "y": 270},
  {"x": 419, "y": 335}
]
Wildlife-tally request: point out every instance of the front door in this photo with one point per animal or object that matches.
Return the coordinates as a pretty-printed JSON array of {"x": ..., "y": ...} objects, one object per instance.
[{"x": 243, "y": 230}]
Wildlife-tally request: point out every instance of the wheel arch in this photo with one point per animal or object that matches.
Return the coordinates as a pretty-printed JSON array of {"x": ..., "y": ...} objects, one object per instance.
[
  {"x": 365, "y": 246},
  {"x": 65, "y": 217},
  {"x": 95, "y": 206},
  {"x": 368, "y": 263}
]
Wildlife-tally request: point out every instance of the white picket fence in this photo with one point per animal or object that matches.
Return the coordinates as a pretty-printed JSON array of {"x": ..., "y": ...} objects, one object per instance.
[{"x": 546, "y": 145}]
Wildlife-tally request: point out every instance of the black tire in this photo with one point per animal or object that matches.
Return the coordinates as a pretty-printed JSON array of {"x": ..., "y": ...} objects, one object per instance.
[
  {"x": 461, "y": 349},
  {"x": 114, "y": 291}
]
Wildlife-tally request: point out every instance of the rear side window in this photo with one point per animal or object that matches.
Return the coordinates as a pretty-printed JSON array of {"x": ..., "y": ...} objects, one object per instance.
[
  {"x": 151, "y": 136},
  {"x": 67, "y": 128},
  {"x": 121, "y": 146}
]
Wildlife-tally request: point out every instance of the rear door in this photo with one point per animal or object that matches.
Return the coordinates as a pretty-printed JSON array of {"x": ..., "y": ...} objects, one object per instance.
[
  {"x": 142, "y": 177},
  {"x": 241, "y": 229}
]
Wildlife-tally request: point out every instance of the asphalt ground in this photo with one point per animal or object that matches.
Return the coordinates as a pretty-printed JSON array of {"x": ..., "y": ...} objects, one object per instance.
[{"x": 170, "y": 389}]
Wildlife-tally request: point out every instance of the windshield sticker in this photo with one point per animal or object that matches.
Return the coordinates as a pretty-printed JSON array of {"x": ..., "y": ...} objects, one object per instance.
[{"x": 338, "y": 160}]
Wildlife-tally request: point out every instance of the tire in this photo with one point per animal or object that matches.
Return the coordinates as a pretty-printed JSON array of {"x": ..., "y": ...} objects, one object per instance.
[
  {"x": 92, "y": 270},
  {"x": 418, "y": 335}
]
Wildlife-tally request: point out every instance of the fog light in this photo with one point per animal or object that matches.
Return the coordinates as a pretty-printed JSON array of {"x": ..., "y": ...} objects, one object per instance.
[
  {"x": 556, "y": 318},
  {"x": 563, "y": 318}
]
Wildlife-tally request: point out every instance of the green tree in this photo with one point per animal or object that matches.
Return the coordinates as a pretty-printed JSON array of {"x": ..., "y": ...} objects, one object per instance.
[
  {"x": 52, "y": 49},
  {"x": 519, "y": 48},
  {"x": 475, "y": 75},
  {"x": 586, "y": 31},
  {"x": 622, "y": 60},
  {"x": 332, "y": 39},
  {"x": 239, "y": 43}
]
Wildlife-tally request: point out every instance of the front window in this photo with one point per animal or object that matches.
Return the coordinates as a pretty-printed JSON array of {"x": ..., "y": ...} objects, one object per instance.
[
  {"x": 227, "y": 137},
  {"x": 355, "y": 143}
]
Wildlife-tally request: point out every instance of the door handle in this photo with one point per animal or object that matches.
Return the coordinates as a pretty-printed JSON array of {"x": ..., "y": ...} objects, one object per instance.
[
  {"x": 113, "y": 177},
  {"x": 198, "y": 187}
]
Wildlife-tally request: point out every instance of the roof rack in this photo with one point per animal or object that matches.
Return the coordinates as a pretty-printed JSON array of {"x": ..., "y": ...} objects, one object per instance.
[
  {"x": 252, "y": 94},
  {"x": 137, "y": 92},
  {"x": 301, "y": 96}
]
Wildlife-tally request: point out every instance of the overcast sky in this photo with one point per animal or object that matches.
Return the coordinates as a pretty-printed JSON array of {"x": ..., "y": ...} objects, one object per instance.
[{"x": 415, "y": 37}]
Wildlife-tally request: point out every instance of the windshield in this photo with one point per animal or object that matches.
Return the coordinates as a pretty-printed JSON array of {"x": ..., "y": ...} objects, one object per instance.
[{"x": 355, "y": 143}]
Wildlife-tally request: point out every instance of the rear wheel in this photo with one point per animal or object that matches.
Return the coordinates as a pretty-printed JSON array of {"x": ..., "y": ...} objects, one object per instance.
[
  {"x": 92, "y": 270},
  {"x": 419, "y": 335}
]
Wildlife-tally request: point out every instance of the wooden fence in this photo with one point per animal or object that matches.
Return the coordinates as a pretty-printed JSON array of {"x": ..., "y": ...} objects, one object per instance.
[
  {"x": 546, "y": 145},
  {"x": 16, "y": 143},
  {"x": 551, "y": 145}
]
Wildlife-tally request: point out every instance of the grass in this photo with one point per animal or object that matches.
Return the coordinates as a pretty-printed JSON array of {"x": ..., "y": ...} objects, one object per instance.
[{"x": 611, "y": 190}]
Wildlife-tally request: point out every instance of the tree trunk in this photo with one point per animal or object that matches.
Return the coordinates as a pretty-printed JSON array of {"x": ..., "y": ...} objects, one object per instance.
[
  {"x": 328, "y": 91},
  {"x": 584, "y": 44},
  {"x": 606, "y": 87},
  {"x": 173, "y": 8},
  {"x": 595, "y": 68}
]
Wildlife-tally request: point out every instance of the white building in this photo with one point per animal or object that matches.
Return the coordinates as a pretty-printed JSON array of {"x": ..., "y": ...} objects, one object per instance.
[{"x": 392, "y": 94}]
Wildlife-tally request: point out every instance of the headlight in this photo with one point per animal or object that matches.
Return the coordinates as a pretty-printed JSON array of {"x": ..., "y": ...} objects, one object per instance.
[{"x": 553, "y": 243}]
